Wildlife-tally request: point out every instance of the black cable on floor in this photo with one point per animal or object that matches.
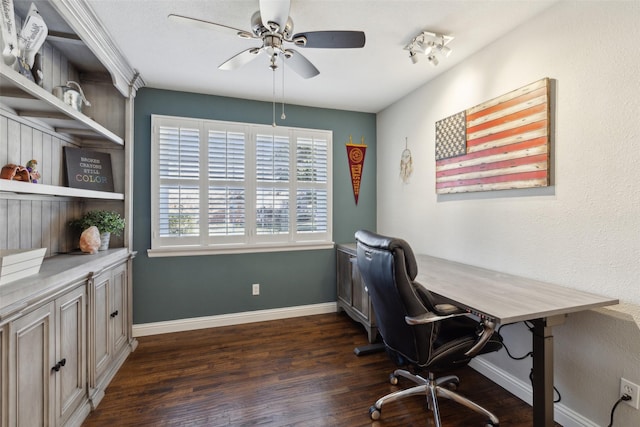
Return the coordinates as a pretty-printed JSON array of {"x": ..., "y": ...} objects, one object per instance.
[{"x": 623, "y": 398}]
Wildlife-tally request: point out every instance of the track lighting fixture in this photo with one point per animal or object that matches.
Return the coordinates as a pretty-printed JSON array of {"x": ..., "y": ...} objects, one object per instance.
[{"x": 429, "y": 44}]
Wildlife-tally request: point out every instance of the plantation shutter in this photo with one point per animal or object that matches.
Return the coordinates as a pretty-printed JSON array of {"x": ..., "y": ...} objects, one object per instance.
[
  {"x": 178, "y": 170},
  {"x": 311, "y": 193},
  {"x": 272, "y": 184},
  {"x": 227, "y": 195}
]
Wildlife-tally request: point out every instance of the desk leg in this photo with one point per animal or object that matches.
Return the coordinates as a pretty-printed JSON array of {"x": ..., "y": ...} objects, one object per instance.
[{"x": 543, "y": 370}]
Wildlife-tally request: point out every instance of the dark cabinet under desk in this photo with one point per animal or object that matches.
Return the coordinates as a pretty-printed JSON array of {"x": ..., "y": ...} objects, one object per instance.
[{"x": 352, "y": 295}]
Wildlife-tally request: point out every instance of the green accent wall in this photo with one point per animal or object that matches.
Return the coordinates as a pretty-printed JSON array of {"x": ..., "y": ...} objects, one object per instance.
[{"x": 171, "y": 288}]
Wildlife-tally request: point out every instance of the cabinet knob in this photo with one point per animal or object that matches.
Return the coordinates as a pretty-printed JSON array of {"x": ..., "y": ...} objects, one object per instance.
[
  {"x": 59, "y": 365},
  {"x": 114, "y": 314}
]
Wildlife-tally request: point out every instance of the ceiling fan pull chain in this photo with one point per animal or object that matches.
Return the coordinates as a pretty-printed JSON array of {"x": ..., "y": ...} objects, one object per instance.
[
  {"x": 283, "y": 116},
  {"x": 274, "y": 98}
]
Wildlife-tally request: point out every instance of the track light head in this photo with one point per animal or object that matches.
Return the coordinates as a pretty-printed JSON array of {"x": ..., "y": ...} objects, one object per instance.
[
  {"x": 444, "y": 50},
  {"x": 413, "y": 57},
  {"x": 433, "y": 60}
]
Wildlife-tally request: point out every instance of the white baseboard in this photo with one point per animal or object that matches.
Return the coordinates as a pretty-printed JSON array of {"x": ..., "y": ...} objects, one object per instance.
[
  {"x": 191, "y": 324},
  {"x": 563, "y": 415}
]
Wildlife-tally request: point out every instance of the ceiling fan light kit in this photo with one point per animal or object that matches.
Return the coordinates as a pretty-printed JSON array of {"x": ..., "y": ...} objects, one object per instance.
[{"x": 429, "y": 44}]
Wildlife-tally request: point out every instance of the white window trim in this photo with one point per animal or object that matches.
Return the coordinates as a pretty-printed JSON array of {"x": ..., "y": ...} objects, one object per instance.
[{"x": 250, "y": 244}]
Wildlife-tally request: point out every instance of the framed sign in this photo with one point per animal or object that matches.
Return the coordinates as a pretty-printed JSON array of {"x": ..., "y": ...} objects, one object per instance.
[{"x": 89, "y": 170}]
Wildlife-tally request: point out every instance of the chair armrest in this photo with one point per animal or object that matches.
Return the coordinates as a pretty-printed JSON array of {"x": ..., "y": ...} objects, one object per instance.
[
  {"x": 429, "y": 318},
  {"x": 444, "y": 309},
  {"x": 487, "y": 332},
  {"x": 488, "y": 327}
]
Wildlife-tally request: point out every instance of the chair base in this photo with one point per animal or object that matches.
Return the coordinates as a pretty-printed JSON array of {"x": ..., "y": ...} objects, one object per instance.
[{"x": 432, "y": 388}]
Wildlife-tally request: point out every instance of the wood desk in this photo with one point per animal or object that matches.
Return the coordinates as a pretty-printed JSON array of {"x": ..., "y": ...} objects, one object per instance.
[{"x": 505, "y": 298}]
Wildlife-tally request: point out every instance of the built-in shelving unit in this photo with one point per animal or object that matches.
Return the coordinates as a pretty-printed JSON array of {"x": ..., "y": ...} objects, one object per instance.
[
  {"x": 78, "y": 309},
  {"x": 28, "y": 99}
]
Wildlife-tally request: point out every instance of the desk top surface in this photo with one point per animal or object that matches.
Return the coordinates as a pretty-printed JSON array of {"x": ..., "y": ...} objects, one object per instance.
[{"x": 503, "y": 297}]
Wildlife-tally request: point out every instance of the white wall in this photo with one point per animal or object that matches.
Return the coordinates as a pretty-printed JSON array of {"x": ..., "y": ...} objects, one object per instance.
[{"x": 583, "y": 231}]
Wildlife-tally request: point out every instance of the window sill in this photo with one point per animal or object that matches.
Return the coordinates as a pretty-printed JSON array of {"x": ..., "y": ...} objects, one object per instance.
[{"x": 197, "y": 251}]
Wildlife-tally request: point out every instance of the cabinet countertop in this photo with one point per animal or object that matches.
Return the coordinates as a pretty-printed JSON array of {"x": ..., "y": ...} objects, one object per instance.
[
  {"x": 56, "y": 274},
  {"x": 347, "y": 247}
]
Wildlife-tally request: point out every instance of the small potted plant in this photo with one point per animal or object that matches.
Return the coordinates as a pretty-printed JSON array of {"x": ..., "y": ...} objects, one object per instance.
[{"x": 107, "y": 222}]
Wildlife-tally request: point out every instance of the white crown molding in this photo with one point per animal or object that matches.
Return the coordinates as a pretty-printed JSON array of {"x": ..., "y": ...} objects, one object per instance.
[{"x": 79, "y": 15}]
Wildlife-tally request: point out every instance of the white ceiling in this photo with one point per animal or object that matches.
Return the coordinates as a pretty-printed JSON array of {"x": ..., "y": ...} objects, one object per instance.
[{"x": 180, "y": 57}]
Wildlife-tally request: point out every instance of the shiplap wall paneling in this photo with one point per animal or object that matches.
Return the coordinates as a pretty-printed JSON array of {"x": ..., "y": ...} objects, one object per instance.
[{"x": 28, "y": 222}]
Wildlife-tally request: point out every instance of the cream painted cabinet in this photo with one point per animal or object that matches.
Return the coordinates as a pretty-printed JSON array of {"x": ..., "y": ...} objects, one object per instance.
[
  {"x": 109, "y": 332},
  {"x": 64, "y": 338},
  {"x": 47, "y": 363}
]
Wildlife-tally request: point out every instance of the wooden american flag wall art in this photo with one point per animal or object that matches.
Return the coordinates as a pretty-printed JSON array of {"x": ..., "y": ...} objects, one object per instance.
[{"x": 500, "y": 144}]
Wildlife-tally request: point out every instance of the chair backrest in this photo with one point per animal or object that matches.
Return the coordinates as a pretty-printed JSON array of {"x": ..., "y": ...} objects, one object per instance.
[{"x": 388, "y": 268}]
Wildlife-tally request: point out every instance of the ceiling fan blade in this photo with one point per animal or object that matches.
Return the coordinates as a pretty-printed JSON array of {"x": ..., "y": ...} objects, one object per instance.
[
  {"x": 301, "y": 65},
  {"x": 240, "y": 59},
  {"x": 208, "y": 25},
  {"x": 274, "y": 11},
  {"x": 330, "y": 39}
]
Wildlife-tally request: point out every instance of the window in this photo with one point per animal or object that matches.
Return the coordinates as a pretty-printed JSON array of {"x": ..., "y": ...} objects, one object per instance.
[{"x": 232, "y": 187}]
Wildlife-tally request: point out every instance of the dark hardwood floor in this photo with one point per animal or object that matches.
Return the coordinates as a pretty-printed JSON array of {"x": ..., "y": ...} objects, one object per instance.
[{"x": 293, "y": 372}]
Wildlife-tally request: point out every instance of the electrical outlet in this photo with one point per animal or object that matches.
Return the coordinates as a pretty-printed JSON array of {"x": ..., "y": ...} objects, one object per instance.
[
  {"x": 255, "y": 289},
  {"x": 631, "y": 389}
]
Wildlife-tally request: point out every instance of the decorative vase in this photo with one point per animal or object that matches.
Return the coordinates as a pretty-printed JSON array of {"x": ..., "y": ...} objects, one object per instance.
[{"x": 104, "y": 241}]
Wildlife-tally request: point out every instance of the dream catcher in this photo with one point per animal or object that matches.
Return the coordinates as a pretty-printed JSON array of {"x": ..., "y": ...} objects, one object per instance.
[{"x": 406, "y": 163}]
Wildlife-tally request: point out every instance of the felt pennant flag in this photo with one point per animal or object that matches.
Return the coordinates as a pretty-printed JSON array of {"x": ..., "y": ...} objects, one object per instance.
[{"x": 355, "y": 154}]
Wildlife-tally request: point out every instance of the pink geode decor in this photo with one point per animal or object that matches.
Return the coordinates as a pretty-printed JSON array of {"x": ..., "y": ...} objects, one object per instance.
[{"x": 90, "y": 240}]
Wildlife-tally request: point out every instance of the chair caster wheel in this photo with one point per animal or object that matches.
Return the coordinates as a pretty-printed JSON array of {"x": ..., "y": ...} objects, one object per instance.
[
  {"x": 393, "y": 379},
  {"x": 453, "y": 385},
  {"x": 374, "y": 413}
]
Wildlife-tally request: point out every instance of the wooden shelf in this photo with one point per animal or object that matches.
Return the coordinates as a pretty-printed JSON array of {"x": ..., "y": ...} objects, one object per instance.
[
  {"x": 53, "y": 190},
  {"x": 28, "y": 99}
]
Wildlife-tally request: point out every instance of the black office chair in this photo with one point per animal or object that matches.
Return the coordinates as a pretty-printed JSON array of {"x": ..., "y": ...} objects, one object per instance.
[{"x": 419, "y": 331}]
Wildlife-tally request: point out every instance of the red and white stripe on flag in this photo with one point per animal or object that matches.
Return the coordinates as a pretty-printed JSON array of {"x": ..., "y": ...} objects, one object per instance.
[{"x": 507, "y": 144}]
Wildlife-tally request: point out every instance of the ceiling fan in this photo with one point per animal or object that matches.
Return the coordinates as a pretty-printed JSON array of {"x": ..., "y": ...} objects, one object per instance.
[{"x": 274, "y": 27}]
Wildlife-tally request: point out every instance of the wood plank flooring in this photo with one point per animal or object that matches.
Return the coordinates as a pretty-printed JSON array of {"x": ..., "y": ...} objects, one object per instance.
[{"x": 293, "y": 372}]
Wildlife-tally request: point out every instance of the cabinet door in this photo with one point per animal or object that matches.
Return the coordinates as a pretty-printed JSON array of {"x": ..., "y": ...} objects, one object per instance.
[
  {"x": 118, "y": 315},
  {"x": 344, "y": 276},
  {"x": 109, "y": 318},
  {"x": 71, "y": 377},
  {"x": 360, "y": 296},
  {"x": 30, "y": 368},
  {"x": 100, "y": 318}
]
